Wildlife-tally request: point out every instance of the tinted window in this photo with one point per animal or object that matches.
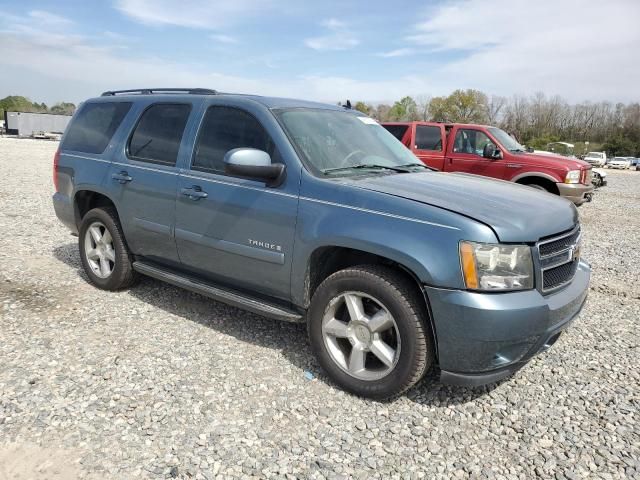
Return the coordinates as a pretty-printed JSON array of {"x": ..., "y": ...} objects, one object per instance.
[
  {"x": 397, "y": 131},
  {"x": 226, "y": 128},
  {"x": 94, "y": 125},
  {"x": 159, "y": 132},
  {"x": 470, "y": 141},
  {"x": 428, "y": 138}
]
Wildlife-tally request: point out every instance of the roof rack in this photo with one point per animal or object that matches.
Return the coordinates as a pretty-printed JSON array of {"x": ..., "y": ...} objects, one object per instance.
[{"x": 149, "y": 91}]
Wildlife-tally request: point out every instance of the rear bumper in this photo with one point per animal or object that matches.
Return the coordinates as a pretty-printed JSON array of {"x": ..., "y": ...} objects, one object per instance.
[
  {"x": 65, "y": 212},
  {"x": 575, "y": 192},
  {"x": 485, "y": 337}
]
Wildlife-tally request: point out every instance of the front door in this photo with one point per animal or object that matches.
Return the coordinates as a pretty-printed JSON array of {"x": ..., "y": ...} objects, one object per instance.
[
  {"x": 235, "y": 231},
  {"x": 466, "y": 155},
  {"x": 144, "y": 177}
]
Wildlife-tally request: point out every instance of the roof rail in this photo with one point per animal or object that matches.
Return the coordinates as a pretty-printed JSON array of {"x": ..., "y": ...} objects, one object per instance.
[{"x": 149, "y": 91}]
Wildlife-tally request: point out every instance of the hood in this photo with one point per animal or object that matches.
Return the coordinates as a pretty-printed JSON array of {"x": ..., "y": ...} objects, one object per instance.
[
  {"x": 572, "y": 163},
  {"x": 514, "y": 212}
]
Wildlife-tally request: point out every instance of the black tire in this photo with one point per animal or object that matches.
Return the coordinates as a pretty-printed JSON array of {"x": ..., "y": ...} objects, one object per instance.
[
  {"x": 537, "y": 187},
  {"x": 122, "y": 274},
  {"x": 402, "y": 299}
]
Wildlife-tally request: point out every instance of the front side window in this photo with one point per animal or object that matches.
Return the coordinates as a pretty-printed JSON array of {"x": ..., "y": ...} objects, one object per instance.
[
  {"x": 226, "y": 128},
  {"x": 159, "y": 132},
  {"x": 428, "y": 138},
  {"x": 94, "y": 125},
  {"x": 340, "y": 142},
  {"x": 506, "y": 140},
  {"x": 470, "y": 141}
]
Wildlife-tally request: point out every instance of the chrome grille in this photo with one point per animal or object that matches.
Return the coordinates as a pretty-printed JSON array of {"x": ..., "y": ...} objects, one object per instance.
[{"x": 559, "y": 257}]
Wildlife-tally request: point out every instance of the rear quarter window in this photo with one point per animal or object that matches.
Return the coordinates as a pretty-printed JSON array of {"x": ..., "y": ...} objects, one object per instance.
[
  {"x": 397, "y": 131},
  {"x": 94, "y": 125}
]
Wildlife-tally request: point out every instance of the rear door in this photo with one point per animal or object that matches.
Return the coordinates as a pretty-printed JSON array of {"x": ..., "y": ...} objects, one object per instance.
[
  {"x": 144, "y": 177},
  {"x": 465, "y": 153},
  {"x": 428, "y": 144},
  {"x": 235, "y": 231}
]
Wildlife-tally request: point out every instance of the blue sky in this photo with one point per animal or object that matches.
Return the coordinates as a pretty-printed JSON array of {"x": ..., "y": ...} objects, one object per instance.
[{"x": 330, "y": 50}]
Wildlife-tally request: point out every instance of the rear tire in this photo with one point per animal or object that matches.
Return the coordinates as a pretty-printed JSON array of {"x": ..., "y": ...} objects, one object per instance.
[
  {"x": 367, "y": 327},
  {"x": 104, "y": 253}
]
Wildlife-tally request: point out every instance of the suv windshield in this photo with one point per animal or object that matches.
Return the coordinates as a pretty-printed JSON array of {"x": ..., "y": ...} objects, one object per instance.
[
  {"x": 335, "y": 142},
  {"x": 506, "y": 140}
]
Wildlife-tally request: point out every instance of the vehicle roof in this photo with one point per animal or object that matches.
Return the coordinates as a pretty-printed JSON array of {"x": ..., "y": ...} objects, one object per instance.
[
  {"x": 269, "y": 102},
  {"x": 448, "y": 124}
]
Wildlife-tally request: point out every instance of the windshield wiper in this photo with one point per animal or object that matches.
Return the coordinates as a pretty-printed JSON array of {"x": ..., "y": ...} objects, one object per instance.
[
  {"x": 372, "y": 166},
  {"x": 409, "y": 165}
]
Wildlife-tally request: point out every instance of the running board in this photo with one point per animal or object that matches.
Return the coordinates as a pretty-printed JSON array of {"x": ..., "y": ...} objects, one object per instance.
[{"x": 224, "y": 295}]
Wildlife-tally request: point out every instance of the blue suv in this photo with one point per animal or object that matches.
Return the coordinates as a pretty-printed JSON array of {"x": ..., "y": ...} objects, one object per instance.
[{"x": 314, "y": 213}]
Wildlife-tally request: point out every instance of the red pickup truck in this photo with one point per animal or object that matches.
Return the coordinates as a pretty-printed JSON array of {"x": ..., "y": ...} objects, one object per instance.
[{"x": 490, "y": 151}]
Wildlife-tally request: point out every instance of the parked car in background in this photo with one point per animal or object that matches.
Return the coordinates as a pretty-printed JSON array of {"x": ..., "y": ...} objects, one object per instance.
[
  {"x": 622, "y": 163},
  {"x": 491, "y": 152},
  {"x": 311, "y": 213},
  {"x": 597, "y": 159},
  {"x": 634, "y": 162}
]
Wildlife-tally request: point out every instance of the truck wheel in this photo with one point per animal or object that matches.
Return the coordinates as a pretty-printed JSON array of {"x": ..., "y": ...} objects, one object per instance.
[
  {"x": 104, "y": 254},
  {"x": 536, "y": 186},
  {"x": 367, "y": 327}
]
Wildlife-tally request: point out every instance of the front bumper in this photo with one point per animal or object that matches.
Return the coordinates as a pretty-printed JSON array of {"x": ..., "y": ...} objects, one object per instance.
[
  {"x": 578, "y": 193},
  {"x": 485, "y": 337}
]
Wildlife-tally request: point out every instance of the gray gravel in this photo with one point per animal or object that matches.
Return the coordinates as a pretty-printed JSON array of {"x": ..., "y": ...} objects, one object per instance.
[{"x": 157, "y": 382}]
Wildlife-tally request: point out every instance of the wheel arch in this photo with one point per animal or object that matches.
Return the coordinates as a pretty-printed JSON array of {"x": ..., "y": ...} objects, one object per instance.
[
  {"x": 326, "y": 260},
  {"x": 542, "y": 179},
  {"x": 88, "y": 199}
]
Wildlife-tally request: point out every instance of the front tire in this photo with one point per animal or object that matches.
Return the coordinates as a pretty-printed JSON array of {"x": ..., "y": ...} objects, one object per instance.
[
  {"x": 368, "y": 328},
  {"x": 103, "y": 251}
]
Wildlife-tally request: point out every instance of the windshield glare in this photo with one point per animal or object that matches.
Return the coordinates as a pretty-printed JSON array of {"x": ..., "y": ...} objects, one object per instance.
[
  {"x": 332, "y": 139},
  {"x": 506, "y": 140}
]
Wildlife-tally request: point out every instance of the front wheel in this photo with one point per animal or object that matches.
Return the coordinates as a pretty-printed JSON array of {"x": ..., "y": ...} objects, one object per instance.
[{"x": 367, "y": 327}]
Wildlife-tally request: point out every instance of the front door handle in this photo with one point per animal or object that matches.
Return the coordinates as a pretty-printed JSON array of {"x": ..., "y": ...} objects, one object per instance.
[
  {"x": 122, "y": 177},
  {"x": 194, "y": 193}
]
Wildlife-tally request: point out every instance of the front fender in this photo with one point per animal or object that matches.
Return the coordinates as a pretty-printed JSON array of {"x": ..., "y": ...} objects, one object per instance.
[{"x": 427, "y": 249}]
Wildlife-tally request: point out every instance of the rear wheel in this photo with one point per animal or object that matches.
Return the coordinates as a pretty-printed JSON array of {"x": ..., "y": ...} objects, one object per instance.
[
  {"x": 367, "y": 327},
  {"x": 103, "y": 251}
]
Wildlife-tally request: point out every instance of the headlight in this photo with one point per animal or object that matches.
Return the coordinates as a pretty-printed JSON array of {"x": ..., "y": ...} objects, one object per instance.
[
  {"x": 495, "y": 267},
  {"x": 573, "y": 176}
]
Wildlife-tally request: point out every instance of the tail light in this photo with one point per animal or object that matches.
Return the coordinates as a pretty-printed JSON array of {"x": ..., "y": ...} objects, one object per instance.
[{"x": 56, "y": 159}]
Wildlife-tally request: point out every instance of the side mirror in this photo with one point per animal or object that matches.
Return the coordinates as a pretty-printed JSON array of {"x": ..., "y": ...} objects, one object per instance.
[
  {"x": 254, "y": 164},
  {"x": 491, "y": 152},
  {"x": 529, "y": 149}
]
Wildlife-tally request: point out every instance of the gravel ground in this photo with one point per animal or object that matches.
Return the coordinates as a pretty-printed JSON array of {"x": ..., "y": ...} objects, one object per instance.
[{"x": 156, "y": 382}]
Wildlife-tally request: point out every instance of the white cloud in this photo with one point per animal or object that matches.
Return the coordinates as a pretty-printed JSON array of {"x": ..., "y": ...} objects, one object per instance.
[
  {"x": 400, "y": 52},
  {"x": 207, "y": 14},
  {"x": 221, "y": 38},
  {"x": 49, "y": 19},
  {"x": 339, "y": 37},
  {"x": 581, "y": 50}
]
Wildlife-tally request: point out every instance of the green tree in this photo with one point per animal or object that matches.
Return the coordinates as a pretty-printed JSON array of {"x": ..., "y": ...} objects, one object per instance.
[
  {"x": 620, "y": 146},
  {"x": 405, "y": 110},
  {"x": 63, "y": 108},
  {"x": 363, "y": 107}
]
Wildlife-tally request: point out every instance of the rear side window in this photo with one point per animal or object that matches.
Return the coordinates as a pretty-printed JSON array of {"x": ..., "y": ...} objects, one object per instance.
[
  {"x": 397, "y": 131},
  {"x": 94, "y": 125},
  {"x": 428, "y": 138},
  {"x": 226, "y": 128},
  {"x": 158, "y": 134}
]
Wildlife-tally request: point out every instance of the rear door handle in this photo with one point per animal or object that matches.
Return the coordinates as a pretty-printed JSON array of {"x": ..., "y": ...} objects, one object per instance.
[
  {"x": 194, "y": 193},
  {"x": 122, "y": 177}
]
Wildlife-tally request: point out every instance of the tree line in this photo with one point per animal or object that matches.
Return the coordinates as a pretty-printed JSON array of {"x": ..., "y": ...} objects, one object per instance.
[
  {"x": 15, "y": 103},
  {"x": 535, "y": 120}
]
